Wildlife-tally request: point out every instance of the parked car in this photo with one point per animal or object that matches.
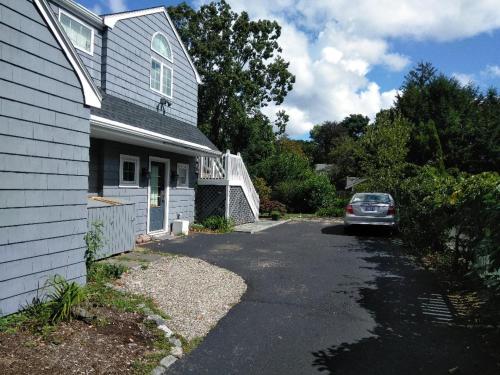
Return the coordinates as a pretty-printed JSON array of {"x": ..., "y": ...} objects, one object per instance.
[{"x": 371, "y": 209}]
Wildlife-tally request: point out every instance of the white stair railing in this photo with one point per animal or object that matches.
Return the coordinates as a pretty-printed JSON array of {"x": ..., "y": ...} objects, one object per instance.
[
  {"x": 237, "y": 174},
  {"x": 211, "y": 168}
]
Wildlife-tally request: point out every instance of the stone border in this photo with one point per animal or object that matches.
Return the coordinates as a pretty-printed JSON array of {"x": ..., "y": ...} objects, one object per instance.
[{"x": 176, "y": 351}]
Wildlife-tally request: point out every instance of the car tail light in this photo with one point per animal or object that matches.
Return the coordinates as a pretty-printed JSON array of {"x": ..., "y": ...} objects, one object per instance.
[
  {"x": 391, "y": 210},
  {"x": 349, "y": 209}
]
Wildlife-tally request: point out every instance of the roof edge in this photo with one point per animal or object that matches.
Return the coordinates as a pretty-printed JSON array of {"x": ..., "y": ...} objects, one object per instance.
[
  {"x": 91, "y": 95},
  {"x": 133, "y": 130},
  {"x": 110, "y": 21}
]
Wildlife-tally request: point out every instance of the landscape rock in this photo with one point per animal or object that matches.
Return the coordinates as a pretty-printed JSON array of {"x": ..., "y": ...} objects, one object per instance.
[
  {"x": 157, "y": 319},
  {"x": 159, "y": 370},
  {"x": 175, "y": 341},
  {"x": 168, "y": 361},
  {"x": 176, "y": 351},
  {"x": 165, "y": 329}
]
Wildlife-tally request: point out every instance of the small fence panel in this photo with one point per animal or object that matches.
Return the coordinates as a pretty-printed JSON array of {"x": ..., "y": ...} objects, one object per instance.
[{"x": 117, "y": 226}]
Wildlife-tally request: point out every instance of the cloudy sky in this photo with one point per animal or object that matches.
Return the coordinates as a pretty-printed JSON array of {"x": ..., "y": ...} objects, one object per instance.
[{"x": 350, "y": 56}]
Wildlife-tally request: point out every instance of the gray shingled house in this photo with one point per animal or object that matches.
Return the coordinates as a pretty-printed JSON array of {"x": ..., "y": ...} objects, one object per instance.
[{"x": 98, "y": 120}]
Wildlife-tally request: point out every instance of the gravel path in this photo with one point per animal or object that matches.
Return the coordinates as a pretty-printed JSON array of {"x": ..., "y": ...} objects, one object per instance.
[{"x": 194, "y": 293}]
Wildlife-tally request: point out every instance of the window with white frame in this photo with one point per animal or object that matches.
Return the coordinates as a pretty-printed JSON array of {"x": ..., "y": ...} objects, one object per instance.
[
  {"x": 182, "y": 175},
  {"x": 161, "y": 78},
  {"x": 160, "y": 44},
  {"x": 129, "y": 171},
  {"x": 81, "y": 35}
]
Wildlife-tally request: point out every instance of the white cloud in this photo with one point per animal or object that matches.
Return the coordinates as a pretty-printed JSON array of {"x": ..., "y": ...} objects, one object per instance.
[
  {"x": 333, "y": 45},
  {"x": 464, "y": 79},
  {"x": 116, "y": 6},
  {"x": 492, "y": 71}
]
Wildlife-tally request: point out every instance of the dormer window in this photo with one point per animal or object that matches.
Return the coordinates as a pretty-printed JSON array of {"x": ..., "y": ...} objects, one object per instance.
[
  {"x": 81, "y": 35},
  {"x": 161, "y": 46}
]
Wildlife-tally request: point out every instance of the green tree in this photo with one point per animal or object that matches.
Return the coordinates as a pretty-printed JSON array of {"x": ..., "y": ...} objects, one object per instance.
[
  {"x": 242, "y": 70},
  {"x": 355, "y": 125},
  {"x": 326, "y": 137},
  {"x": 385, "y": 148}
]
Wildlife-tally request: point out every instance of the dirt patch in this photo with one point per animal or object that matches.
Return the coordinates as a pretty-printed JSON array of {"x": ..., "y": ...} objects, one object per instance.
[{"x": 112, "y": 345}]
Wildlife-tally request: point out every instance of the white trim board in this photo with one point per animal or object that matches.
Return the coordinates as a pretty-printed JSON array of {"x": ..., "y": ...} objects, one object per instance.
[
  {"x": 91, "y": 94},
  {"x": 111, "y": 20},
  {"x": 132, "y": 130}
]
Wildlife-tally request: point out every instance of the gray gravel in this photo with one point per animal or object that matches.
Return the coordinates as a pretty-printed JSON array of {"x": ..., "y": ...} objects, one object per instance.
[{"x": 194, "y": 293}]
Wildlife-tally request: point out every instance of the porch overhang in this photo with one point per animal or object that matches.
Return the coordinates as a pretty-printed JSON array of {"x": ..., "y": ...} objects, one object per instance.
[{"x": 103, "y": 128}]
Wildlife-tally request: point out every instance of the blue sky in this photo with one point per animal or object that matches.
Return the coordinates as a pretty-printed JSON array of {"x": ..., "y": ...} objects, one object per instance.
[{"x": 350, "y": 56}]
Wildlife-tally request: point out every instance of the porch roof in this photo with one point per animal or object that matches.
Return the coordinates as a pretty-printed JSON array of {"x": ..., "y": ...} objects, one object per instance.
[{"x": 133, "y": 116}]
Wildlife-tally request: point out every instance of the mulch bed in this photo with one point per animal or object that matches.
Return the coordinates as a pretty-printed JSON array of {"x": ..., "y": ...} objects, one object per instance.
[{"x": 110, "y": 346}]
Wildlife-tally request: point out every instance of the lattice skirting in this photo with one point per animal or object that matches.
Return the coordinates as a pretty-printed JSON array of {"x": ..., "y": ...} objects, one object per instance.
[
  {"x": 239, "y": 208},
  {"x": 210, "y": 201}
]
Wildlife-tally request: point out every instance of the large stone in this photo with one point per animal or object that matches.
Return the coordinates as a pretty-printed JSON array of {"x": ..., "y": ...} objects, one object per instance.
[
  {"x": 159, "y": 370},
  {"x": 175, "y": 341},
  {"x": 168, "y": 361},
  {"x": 165, "y": 329},
  {"x": 157, "y": 319},
  {"x": 176, "y": 351}
]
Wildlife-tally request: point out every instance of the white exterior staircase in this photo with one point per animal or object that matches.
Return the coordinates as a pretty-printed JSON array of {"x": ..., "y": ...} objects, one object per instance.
[{"x": 229, "y": 170}]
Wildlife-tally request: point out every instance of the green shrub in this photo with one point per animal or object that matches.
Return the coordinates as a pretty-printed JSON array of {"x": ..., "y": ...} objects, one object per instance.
[
  {"x": 94, "y": 241},
  {"x": 306, "y": 195},
  {"x": 103, "y": 272},
  {"x": 262, "y": 189},
  {"x": 275, "y": 215},
  {"x": 335, "y": 209},
  {"x": 63, "y": 296},
  {"x": 218, "y": 224}
]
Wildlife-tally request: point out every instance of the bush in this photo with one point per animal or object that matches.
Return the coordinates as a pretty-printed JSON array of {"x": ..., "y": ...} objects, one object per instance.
[
  {"x": 218, "y": 224},
  {"x": 103, "y": 272},
  {"x": 335, "y": 209},
  {"x": 275, "y": 215},
  {"x": 268, "y": 206},
  {"x": 63, "y": 296},
  {"x": 262, "y": 189},
  {"x": 306, "y": 195}
]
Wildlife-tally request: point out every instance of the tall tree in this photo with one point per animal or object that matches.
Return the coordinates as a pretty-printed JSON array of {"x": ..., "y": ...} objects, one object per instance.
[
  {"x": 451, "y": 120},
  {"x": 242, "y": 70}
]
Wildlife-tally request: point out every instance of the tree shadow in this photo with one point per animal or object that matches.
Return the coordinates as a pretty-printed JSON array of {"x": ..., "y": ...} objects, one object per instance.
[
  {"x": 358, "y": 231},
  {"x": 406, "y": 339}
]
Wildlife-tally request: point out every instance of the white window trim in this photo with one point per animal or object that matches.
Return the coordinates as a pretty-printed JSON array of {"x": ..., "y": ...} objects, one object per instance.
[
  {"x": 92, "y": 32},
  {"x": 136, "y": 160},
  {"x": 162, "y": 66},
  {"x": 171, "y": 59},
  {"x": 183, "y": 165}
]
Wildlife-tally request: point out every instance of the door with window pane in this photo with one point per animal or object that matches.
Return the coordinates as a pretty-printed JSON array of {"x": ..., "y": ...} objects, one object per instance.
[{"x": 157, "y": 196}]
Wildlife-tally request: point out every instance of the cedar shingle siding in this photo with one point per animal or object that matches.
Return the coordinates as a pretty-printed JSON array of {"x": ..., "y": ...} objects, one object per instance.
[{"x": 44, "y": 141}]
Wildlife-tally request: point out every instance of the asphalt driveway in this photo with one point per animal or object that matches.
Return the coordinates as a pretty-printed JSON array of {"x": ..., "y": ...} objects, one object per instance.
[{"x": 322, "y": 302}]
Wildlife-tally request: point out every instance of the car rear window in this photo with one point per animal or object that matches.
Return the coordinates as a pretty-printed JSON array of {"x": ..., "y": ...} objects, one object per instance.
[{"x": 373, "y": 198}]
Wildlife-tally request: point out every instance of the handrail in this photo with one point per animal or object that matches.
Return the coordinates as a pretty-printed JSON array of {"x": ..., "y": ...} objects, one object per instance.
[{"x": 231, "y": 168}]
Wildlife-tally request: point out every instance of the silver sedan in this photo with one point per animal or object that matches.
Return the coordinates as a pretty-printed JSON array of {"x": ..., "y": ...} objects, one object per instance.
[{"x": 371, "y": 209}]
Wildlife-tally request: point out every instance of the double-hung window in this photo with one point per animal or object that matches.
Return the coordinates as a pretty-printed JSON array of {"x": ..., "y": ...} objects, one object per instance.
[
  {"x": 161, "y": 78},
  {"x": 129, "y": 171},
  {"x": 81, "y": 35}
]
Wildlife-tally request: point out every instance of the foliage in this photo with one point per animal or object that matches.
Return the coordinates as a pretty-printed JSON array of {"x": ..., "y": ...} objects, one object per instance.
[
  {"x": 283, "y": 166},
  {"x": 452, "y": 122},
  {"x": 94, "y": 241},
  {"x": 63, "y": 296},
  {"x": 268, "y": 206},
  {"x": 240, "y": 64},
  {"x": 335, "y": 209},
  {"x": 218, "y": 224},
  {"x": 262, "y": 189},
  {"x": 307, "y": 194},
  {"x": 275, "y": 215},
  {"x": 105, "y": 271}
]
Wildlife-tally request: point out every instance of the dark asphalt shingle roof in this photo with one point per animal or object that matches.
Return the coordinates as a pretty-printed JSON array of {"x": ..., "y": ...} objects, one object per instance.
[{"x": 116, "y": 109}]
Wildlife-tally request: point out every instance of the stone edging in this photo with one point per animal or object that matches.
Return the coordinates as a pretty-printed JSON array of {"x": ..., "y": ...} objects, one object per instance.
[{"x": 176, "y": 351}]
